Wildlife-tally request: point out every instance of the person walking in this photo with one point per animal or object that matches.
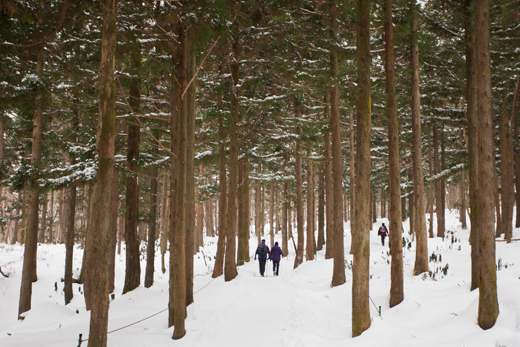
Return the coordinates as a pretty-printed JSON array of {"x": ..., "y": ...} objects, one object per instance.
[
  {"x": 263, "y": 252},
  {"x": 276, "y": 254},
  {"x": 383, "y": 232}
]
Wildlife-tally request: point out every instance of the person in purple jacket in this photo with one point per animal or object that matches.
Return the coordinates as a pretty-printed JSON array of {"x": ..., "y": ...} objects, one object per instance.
[{"x": 276, "y": 254}]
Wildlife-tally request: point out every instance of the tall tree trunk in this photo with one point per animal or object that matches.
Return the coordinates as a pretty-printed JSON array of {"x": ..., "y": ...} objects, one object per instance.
[
  {"x": 43, "y": 221},
  {"x": 258, "y": 205},
  {"x": 443, "y": 180},
  {"x": 99, "y": 222},
  {"x": 338, "y": 272},
  {"x": 361, "y": 238},
  {"x": 165, "y": 218},
  {"x": 243, "y": 213},
  {"x": 309, "y": 249},
  {"x": 488, "y": 303},
  {"x": 31, "y": 238},
  {"x": 285, "y": 219},
  {"x": 271, "y": 214},
  {"x": 472, "y": 144},
  {"x": 438, "y": 184},
  {"x": 190, "y": 168},
  {"x": 230, "y": 269},
  {"x": 394, "y": 175},
  {"x": 69, "y": 238},
  {"x": 421, "y": 251},
  {"x": 329, "y": 246},
  {"x": 222, "y": 211},
  {"x": 133, "y": 266},
  {"x": 177, "y": 300},
  {"x": 352, "y": 181},
  {"x": 516, "y": 151},
  {"x": 299, "y": 193},
  {"x": 463, "y": 200},
  {"x": 507, "y": 177},
  {"x": 430, "y": 185},
  {"x": 152, "y": 225},
  {"x": 113, "y": 228},
  {"x": 321, "y": 209}
]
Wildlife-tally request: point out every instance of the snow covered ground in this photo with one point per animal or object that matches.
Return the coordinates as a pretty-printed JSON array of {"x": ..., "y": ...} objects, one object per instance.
[{"x": 298, "y": 308}]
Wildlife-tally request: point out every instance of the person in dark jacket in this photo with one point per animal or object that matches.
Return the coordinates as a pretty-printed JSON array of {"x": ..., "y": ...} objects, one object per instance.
[
  {"x": 383, "y": 232},
  {"x": 263, "y": 252},
  {"x": 276, "y": 254}
]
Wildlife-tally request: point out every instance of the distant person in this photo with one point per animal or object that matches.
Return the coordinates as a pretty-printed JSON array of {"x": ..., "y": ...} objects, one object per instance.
[
  {"x": 383, "y": 232},
  {"x": 263, "y": 252},
  {"x": 276, "y": 254}
]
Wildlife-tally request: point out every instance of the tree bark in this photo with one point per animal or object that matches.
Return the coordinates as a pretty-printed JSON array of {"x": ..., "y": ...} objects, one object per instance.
[
  {"x": 99, "y": 222},
  {"x": 258, "y": 205},
  {"x": 421, "y": 252},
  {"x": 394, "y": 175},
  {"x": 31, "y": 236},
  {"x": 113, "y": 223},
  {"x": 271, "y": 213},
  {"x": 360, "y": 233},
  {"x": 488, "y": 303}
]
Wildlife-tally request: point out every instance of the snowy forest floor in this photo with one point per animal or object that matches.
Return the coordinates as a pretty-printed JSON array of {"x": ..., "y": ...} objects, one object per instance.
[{"x": 297, "y": 308}]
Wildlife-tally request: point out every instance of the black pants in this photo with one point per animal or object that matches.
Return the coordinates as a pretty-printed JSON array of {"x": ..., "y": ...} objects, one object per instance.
[
  {"x": 276, "y": 266},
  {"x": 383, "y": 239},
  {"x": 262, "y": 261}
]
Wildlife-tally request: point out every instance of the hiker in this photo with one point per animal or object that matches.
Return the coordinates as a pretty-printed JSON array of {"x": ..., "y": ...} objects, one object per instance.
[
  {"x": 383, "y": 231},
  {"x": 276, "y": 253},
  {"x": 262, "y": 251}
]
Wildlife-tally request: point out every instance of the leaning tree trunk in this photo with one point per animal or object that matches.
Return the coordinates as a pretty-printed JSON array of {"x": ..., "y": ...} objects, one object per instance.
[
  {"x": 421, "y": 251},
  {"x": 31, "y": 236},
  {"x": 133, "y": 266},
  {"x": 488, "y": 303},
  {"x": 99, "y": 221},
  {"x": 394, "y": 175},
  {"x": 361, "y": 238},
  {"x": 352, "y": 181}
]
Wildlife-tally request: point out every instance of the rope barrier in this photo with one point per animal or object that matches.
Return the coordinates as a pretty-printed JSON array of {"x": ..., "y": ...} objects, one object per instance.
[
  {"x": 378, "y": 309},
  {"x": 141, "y": 320}
]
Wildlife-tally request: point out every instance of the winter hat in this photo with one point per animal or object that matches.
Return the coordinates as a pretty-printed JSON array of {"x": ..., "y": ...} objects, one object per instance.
[
  {"x": 276, "y": 243},
  {"x": 383, "y": 224},
  {"x": 263, "y": 241}
]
